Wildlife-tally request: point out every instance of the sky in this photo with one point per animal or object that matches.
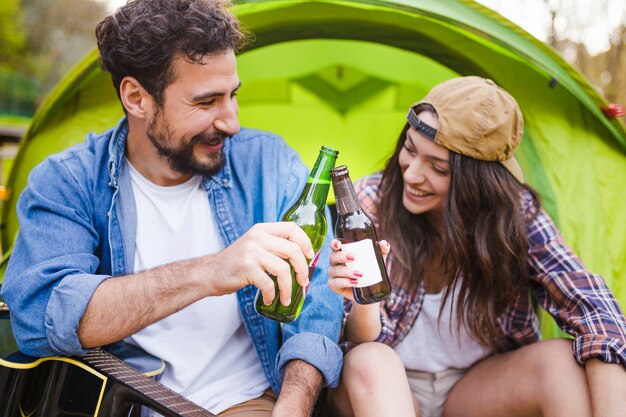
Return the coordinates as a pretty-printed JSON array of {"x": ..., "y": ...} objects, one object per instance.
[{"x": 589, "y": 21}]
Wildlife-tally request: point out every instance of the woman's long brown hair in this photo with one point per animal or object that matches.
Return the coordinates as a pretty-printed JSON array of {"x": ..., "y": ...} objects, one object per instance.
[{"x": 483, "y": 240}]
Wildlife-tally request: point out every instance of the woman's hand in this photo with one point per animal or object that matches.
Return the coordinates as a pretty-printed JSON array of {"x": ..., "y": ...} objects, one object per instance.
[
  {"x": 341, "y": 277},
  {"x": 363, "y": 323}
]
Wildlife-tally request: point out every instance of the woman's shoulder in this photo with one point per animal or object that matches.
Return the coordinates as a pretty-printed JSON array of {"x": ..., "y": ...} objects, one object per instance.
[
  {"x": 369, "y": 184},
  {"x": 368, "y": 189},
  {"x": 530, "y": 206},
  {"x": 540, "y": 227}
]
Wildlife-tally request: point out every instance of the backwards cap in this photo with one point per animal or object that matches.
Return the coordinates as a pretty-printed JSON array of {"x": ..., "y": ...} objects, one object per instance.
[{"x": 477, "y": 119}]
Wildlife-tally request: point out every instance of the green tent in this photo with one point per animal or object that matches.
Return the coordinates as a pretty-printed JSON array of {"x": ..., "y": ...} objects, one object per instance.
[{"x": 343, "y": 73}]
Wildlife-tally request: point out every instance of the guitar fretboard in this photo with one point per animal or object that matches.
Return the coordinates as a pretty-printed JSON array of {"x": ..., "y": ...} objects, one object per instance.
[{"x": 114, "y": 367}]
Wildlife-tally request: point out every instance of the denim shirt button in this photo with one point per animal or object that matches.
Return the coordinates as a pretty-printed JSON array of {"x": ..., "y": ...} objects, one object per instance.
[{"x": 224, "y": 181}]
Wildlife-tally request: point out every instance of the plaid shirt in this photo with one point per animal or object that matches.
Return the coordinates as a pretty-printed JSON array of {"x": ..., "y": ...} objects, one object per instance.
[{"x": 580, "y": 302}]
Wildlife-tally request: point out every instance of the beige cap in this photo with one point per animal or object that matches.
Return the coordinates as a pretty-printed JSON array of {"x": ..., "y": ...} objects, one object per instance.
[{"x": 477, "y": 119}]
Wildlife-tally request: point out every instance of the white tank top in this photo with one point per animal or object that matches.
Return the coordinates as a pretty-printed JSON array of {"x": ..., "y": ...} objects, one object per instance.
[
  {"x": 433, "y": 345},
  {"x": 208, "y": 355}
]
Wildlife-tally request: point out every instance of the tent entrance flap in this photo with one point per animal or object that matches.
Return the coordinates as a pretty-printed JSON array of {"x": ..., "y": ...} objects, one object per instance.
[{"x": 334, "y": 92}]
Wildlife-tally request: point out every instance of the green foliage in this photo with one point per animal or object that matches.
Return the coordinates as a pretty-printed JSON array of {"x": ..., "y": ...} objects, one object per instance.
[
  {"x": 59, "y": 34},
  {"x": 12, "y": 36},
  {"x": 40, "y": 40}
]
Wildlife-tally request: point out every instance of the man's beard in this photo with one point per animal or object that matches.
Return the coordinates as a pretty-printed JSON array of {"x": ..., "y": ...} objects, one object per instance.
[{"x": 181, "y": 159}]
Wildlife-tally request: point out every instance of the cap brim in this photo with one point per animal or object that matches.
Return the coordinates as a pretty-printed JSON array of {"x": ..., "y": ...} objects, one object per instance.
[{"x": 514, "y": 168}]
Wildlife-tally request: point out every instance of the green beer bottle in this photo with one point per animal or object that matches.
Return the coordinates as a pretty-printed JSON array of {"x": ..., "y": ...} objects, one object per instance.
[{"x": 308, "y": 213}]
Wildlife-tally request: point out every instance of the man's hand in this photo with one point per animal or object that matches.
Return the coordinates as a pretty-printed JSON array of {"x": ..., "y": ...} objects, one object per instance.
[
  {"x": 262, "y": 251},
  {"x": 302, "y": 384}
]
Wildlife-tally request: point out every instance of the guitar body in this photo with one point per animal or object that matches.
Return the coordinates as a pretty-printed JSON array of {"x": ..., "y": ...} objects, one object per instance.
[
  {"x": 48, "y": 387},
  {"x": 95, "y": 385}
]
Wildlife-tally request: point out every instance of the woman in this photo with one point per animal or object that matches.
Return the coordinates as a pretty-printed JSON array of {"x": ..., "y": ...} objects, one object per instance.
[{"x": 473, "y": 253}]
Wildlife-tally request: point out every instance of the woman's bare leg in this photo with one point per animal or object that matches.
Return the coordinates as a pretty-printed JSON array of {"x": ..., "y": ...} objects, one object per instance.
[
  {"x": 542, "y": 379},
  {"x": 373, "y": 383}
]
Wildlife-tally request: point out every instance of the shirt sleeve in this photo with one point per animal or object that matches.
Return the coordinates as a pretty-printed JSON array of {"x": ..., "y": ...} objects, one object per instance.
[
  {"x": 314, "y": 335},
  {"x": 579, "y": 301},
  {"x": 51, "y": 274}
]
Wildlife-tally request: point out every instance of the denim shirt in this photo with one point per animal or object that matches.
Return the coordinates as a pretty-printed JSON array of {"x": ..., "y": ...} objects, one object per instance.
[{"x": 77, "y": 228}]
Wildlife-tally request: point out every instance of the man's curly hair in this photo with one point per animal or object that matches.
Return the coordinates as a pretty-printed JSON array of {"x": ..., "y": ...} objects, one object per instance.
[{"x": 142, "y": 38}]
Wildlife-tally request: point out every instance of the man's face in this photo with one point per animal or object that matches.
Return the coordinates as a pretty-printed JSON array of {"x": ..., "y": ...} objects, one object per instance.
[{"x": 199, "y": 112}]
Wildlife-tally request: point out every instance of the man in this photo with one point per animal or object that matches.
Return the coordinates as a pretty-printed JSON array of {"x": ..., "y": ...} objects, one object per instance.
[{"x": 160, "y": 231}]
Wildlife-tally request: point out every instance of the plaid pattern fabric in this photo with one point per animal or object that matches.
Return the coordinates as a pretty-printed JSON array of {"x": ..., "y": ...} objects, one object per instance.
[{"x": 580, "y": 302}]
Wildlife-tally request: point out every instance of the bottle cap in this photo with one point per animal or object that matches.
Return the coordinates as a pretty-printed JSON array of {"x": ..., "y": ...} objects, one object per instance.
[{"x": 340, "y": 170}]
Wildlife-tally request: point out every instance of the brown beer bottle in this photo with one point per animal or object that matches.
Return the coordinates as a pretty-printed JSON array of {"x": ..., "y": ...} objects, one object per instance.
[{"x": 355, "y": 230}]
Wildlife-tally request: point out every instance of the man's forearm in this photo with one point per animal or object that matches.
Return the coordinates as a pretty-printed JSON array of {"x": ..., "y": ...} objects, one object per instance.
[
  {"x": 124, "y": 305},
  {"x": 607, "y": 386},
  {"x": 302, "y": 384}
]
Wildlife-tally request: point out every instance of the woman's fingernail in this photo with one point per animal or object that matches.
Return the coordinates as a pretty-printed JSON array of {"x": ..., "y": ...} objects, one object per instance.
[
  {"x": 354, "y": 281},
  {"x": 288, "y": 302},
  {"x": 350, "y": 257},
  {"x": 358, "y": 274}
]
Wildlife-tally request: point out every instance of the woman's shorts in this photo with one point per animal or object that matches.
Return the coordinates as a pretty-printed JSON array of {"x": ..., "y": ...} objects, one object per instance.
[{"x": 431, "y": 389}]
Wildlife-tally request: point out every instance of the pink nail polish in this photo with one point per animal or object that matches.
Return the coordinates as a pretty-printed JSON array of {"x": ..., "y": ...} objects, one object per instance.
[
  {"x": 358, "y": 274},
  {"x": 350, "y": 257},
  {"x": 354, "y": 281}
]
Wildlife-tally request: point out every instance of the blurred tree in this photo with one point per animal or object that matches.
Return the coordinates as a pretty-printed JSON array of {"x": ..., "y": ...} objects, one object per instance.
[
  {"x": 12, "y": 38},
  {"x": 607, "y": 70},
  {"x": 17, "y": 92},
  {"x": 60, "y": 32},
  {"x": 568, "y": 29},
  {"x": 611, "y": 75}
]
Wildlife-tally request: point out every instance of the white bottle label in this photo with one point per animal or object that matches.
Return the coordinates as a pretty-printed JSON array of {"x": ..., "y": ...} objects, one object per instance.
[{"x": 364, "y": 261}]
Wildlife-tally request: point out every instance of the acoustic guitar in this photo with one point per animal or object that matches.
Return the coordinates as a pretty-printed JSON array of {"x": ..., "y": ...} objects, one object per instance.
[{"x": 94, "y": 385}]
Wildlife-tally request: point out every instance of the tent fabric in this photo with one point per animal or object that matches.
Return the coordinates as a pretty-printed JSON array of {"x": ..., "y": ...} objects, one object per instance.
[{"x": 343, "y": 73}]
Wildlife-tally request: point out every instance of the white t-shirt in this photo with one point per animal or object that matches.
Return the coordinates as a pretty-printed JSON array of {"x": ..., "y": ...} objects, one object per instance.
[
  {"x": 433, "y": 344},
  {"x": 209, "y": 357}
]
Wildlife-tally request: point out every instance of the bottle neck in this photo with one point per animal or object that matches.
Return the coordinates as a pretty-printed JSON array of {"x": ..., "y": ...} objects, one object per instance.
[
  {"x": 345, "y": 195},
  {"x": 318, "y": 183}
]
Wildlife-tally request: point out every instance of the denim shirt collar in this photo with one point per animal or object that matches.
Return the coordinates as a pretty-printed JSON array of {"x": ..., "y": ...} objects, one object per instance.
[{"x": 117, "y": 151}]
